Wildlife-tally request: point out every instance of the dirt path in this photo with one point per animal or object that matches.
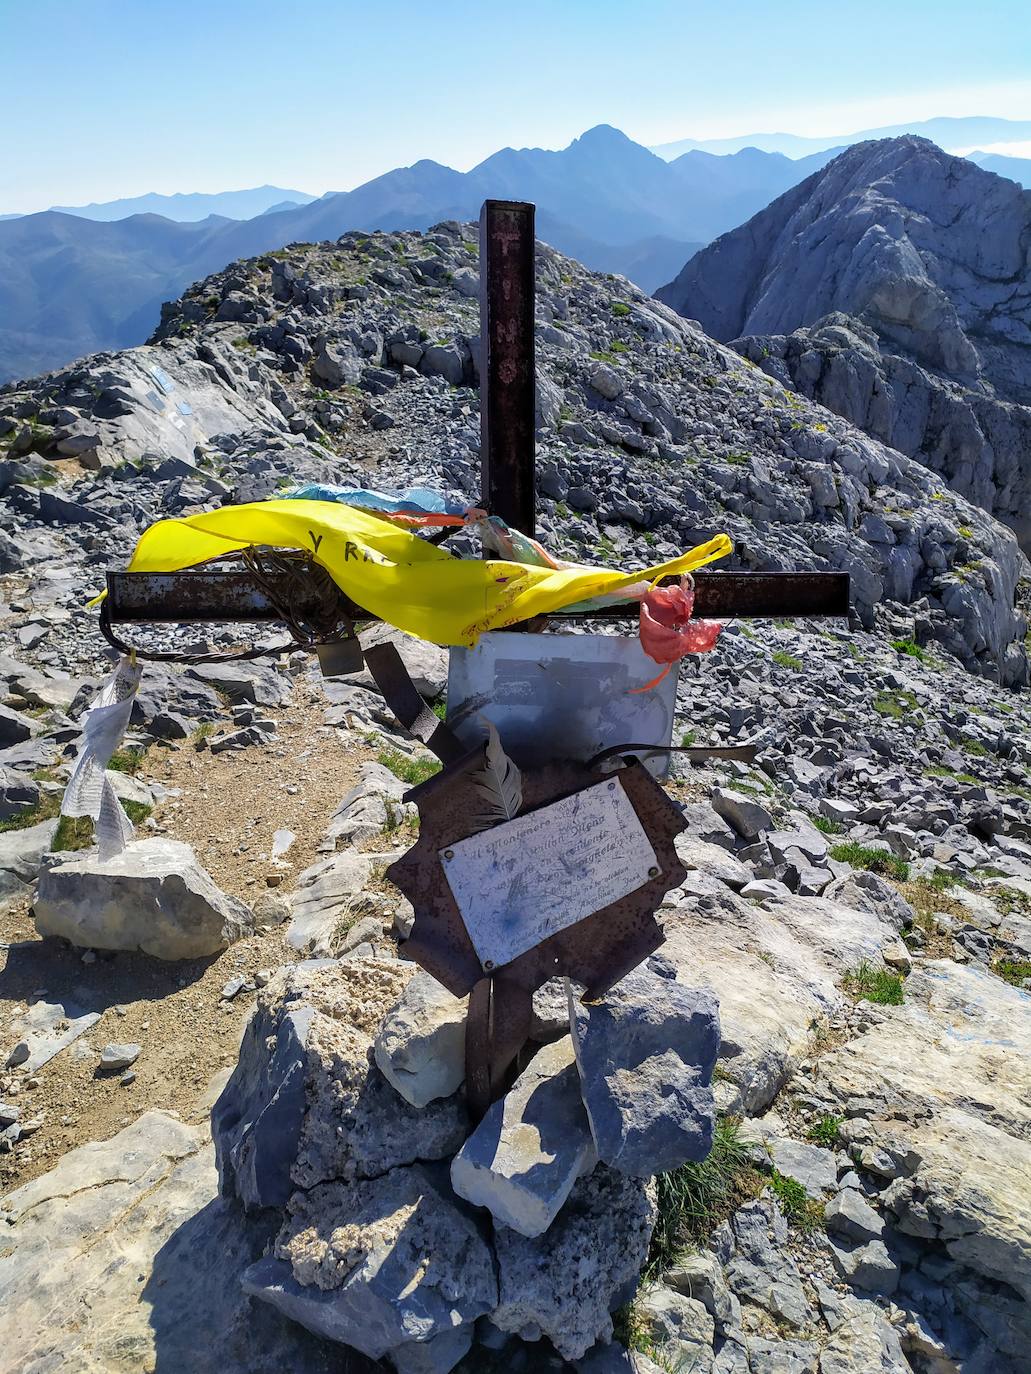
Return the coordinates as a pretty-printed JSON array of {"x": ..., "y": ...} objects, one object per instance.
[{"x": 228, "y": 807}]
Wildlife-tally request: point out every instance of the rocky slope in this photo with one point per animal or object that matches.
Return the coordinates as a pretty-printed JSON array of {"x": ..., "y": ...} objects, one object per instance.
[
  {"x": 357, "y": 359},
  {"x": 859, "y": 900},
  {"x": 893, "y": 287}
]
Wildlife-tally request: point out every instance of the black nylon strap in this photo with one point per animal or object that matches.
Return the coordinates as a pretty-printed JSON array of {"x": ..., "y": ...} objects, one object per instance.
[
  {"x": 392, "y": 678},
  {"x": 697, "y": 753}
]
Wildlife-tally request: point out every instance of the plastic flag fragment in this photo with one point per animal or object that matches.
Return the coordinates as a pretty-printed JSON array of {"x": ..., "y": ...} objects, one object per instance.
[{"x": 89, "y": 791}]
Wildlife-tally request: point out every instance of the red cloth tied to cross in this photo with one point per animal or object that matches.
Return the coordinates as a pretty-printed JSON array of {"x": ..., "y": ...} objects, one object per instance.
[{"x": 667, "y": 630}]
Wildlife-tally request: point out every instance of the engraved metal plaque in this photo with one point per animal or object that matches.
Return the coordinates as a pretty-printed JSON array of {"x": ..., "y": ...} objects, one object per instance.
[{"x": 520, "y": 882}]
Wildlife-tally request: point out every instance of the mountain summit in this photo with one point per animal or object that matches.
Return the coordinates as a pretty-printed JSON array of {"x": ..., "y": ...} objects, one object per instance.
[{"x": 901, "y": 273}]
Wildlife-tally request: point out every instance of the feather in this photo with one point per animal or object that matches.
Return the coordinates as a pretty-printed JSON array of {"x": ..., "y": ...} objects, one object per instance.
[{"x": 498, "y": 786}]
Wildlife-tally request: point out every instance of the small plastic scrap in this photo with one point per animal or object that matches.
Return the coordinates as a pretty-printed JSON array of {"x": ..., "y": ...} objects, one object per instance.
[
  {"x": 409, "y": 506},
  {"x": 89, "y": 791}
]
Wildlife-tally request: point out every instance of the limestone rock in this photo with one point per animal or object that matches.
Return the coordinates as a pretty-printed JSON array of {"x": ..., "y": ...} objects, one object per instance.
[
  {"x": 646, "y": 1052},
  {"x": 306, "y": 1102},
  {"x": 321, "y": 903},
  {"x": 680, "y": 1328},
  {"x": 420, "y": 1047},
  {"x": 380, "y": 1264},
  {"x": 21, "y": 853},
  {"x": 153, "y": 897},
  {"x": 851, "y": 1215},
  {"x": 116, "y": 1258},
  {"x": 747, "y": 817},
  {"x": 566, "y": 1283},
  {"x": 533, "y": 1144}
]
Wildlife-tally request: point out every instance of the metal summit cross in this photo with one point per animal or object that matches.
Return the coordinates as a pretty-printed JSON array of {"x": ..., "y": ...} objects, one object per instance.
[{"x": 568, "y": 882}]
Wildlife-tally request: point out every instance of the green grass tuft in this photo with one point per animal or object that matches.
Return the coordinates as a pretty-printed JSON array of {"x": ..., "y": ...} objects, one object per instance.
[
  {"x": 874, "y": 984},
  {"x": 910, "y": 648},
  {"x": 126, "y": 760},
  {"x": 73, "y": 832},
  {"x": 787, "y": 660},
  {"x": 695, "y": 1198},
  {"x": 827, "y": 826},
  {"x": 1014, "y": 971},
  {"x": 826, "y": 1131},
  {"x": 795, "y": 1202},
  {"x": 411, "y": 771},
  {"x": 938, "y": 772},
  {"x": 873, "y": 860}
]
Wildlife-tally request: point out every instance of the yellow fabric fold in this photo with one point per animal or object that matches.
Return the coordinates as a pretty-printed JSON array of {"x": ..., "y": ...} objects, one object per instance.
[{"x": 394, "y": 575}]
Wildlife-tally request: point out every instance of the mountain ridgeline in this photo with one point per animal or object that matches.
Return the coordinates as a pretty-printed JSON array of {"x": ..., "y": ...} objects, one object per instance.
[
  {"x": 893, "y": 286},
  {"x": 70, "y": 286}
]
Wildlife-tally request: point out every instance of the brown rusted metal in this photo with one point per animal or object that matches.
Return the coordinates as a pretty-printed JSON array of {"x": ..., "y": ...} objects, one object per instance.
[
  {"x": 596, "y": 951},
  {"x": 507, "y": 369},
  {"x": 477, "y": 1049},
  {"x": 222, "y": 595}
]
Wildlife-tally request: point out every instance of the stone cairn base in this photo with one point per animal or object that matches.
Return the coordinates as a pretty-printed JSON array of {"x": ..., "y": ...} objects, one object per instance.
[{"x": 406, "y": 1233}]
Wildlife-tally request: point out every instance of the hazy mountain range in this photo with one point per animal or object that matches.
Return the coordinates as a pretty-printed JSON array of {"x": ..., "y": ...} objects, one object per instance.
[
  {"x": 76, "y": 282},
  {"x": 950, "y": 134},
  {"x": 188, "y": 207}
]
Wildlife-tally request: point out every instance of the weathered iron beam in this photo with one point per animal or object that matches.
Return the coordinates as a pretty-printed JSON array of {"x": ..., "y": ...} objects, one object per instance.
[
  {"x": 507, "y": 372},
  {"x": 229, "y": 596}
]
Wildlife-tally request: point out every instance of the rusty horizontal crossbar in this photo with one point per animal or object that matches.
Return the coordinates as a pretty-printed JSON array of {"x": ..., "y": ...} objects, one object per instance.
[{"x": 229, "y": 596}]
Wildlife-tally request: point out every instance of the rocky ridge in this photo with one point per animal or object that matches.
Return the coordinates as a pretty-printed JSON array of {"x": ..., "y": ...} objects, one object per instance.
[
  {"x": 356, "y": 361},
  {"x": 892, "y": 287},
  {"x": 881, "y": 844}
]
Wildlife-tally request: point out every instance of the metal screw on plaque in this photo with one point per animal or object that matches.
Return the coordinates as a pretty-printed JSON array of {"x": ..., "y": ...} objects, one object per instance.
[
  {"x": 653, "y": 872},
  {"x": 449, "y": 854}
]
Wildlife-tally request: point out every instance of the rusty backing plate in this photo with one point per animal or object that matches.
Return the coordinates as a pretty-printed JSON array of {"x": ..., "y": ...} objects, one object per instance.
[{"x": 598, "y": 950}]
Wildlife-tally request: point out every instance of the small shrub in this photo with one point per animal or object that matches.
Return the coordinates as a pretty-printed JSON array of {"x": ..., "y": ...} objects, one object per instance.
[
  {"x": 827, "y": 826},
  {"x": 873, "y": 860},
  {"x": 688, "y": 738},
  {"x": 439, "y": 709},
  {"x": 795, "y": 1202},
  {"x": 826, "y": 1131},
  {"x": 975, "y": 747},
  {"x": 787, "y": 660},
  {"x": 874, "y": 984},
  {"x": 619, "y": 309},
  {"x": 411, "y": 771},
  {"x": 204, "y": 730},
  {"x": 1010, "y": 900}
]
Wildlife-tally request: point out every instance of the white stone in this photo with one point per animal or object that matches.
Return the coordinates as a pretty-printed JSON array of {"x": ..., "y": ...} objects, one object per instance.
[
  {"x": 153, "y": 897},
  {"x": 420, "y": 1047},
  {"x": 524, "y": 1157}
]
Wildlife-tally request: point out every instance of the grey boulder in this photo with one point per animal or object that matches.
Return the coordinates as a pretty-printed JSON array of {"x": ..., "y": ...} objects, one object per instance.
[
  {"x": 646, "y": 1052},
  {"x": 153, "y": 897},
  {"x": 380, "y": 1264}
]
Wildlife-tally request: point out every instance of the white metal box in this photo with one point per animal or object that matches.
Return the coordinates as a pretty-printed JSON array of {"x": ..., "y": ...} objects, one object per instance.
[{"x": 561, "y": 696}]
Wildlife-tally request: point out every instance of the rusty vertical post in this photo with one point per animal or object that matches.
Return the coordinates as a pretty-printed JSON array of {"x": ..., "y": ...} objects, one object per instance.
[{"x": 507, "y": 374}]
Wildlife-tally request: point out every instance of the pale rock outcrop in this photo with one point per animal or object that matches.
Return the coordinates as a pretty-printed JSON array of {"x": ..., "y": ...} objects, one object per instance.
[
  {"x": 892, "y": 287},
  {"x": 153, "y": 897}
]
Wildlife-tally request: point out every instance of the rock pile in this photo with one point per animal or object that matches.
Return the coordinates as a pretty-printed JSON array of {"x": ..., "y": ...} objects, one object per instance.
[{"x": 378, "y": 1247}]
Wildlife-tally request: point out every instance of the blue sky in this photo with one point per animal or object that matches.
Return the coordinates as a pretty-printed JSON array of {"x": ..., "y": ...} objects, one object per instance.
[{"x": 107, "y": 98}]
